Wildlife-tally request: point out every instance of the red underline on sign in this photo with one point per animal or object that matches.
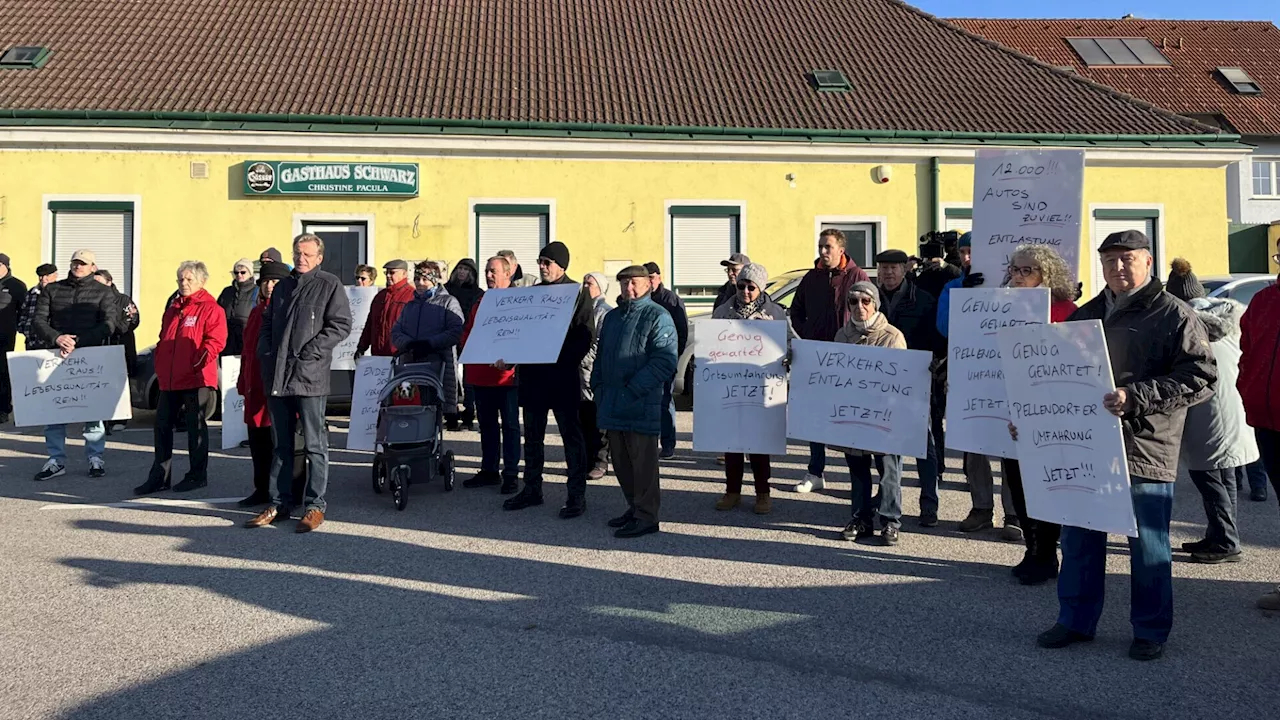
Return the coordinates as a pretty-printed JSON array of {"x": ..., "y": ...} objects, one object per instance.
[
  {"x": 881, "y": 428},
  {"x": 1063, "y": 382},
  {"x": 986, "y": 417},
  {"x": 1082, "y": 447},
  {"x": 1076, "y": 488}
]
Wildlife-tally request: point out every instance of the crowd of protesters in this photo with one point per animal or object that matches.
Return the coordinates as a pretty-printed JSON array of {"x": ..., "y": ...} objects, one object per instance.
[{"x": 1197, "y": 388}]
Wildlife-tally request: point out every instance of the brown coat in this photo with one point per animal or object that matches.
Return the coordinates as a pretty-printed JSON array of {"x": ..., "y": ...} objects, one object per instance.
[{"x": 879, "y": 334}]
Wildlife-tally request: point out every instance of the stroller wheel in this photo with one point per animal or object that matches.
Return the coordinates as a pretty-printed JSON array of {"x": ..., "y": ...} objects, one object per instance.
[
  {"x": 379, "y": 475},
  {"x": 400, "y": 487},
  {"x": 446, "y": 470}
]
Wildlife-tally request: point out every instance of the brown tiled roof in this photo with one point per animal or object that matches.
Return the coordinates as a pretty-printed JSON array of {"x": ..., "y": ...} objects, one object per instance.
[
  {"x": 655, "y": 63},
  {"x": 1196, "y": 48}
]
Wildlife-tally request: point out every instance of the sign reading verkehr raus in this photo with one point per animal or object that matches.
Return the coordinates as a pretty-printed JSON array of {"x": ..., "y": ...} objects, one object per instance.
[{"x": 288, "y": 177}]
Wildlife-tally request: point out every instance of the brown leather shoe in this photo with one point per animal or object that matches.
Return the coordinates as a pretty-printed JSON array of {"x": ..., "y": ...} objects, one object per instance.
[
  {"x": 310, "y": 521},
  {"x": 266, "y": 517}
]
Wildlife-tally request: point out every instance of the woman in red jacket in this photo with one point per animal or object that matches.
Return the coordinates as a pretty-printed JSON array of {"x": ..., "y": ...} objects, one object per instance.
[
  {"x": 192, "y": 335},
  {"x": 256, "y": 418}
]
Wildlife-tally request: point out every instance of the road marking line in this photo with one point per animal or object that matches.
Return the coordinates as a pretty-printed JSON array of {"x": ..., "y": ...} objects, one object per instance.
[{"x": 144, "y": 503}]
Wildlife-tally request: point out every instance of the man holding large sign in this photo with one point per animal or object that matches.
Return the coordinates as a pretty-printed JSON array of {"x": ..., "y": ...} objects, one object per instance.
[{"x": 1160, "y": 358}]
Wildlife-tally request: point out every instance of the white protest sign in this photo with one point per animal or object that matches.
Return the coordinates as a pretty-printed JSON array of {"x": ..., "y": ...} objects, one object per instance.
[
  {"x": 1070, "y": 448},
  {"x": 740, "y": 387},
  {"x": 372, "y": 374},
  {"x": 858, "y": 396},
  {"x": 88, "y": 385},
  {"x": 521, "y": 326},
  {"x": 360, "y": 299},
  {"x": 977, "y": 412},
  {"x": 234, "y": 429},
  {"x": 1025, "y": 197}
]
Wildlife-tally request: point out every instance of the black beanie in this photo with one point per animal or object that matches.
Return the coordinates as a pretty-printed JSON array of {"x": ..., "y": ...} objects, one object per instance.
[
  {"x": 1183, "y": 283},
  {"x": 557, "y": 253}
]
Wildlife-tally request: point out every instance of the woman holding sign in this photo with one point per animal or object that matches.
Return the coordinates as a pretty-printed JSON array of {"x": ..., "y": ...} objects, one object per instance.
[{"x": 750, "y": 303}]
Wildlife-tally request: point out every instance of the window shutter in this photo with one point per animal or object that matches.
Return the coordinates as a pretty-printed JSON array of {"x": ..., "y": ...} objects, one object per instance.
[
  {"x": 1104, "y": 227},
  {"x": 959, "y": 224},
  {"x": 698, "y": 244},
  {"x": 108, "y": 234},
  {"x": 525, "y": 235}
]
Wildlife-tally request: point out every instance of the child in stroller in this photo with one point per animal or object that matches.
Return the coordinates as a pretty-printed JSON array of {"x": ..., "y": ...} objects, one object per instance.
[{"x": 411, "y": 429}]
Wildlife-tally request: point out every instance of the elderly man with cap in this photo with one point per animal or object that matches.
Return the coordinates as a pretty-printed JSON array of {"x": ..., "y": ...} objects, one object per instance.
[
  {"x": 597, "y": 285},
  {"x": 46, "y": 274},
  {"x": 385, "y": 310},
  {"x": 76, "y": 313},
  {"x": 732, "y": 267},
  {"x": 913, "y": 312},
  {"x": 13, "y": 294},
  {"x": 637, "y": 356},
  {"x": 556, "y": 388},
  {"x": 1162, "y": 364},
  {"x": 671, "y": 302}
]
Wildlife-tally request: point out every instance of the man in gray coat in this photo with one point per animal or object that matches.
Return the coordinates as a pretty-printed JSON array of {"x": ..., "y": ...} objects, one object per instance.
[{"x": 307, "y": 318}]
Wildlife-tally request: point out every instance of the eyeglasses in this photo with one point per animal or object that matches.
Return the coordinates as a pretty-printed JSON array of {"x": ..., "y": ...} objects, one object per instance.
[
  {"x": 746, "y": 285},
  {"x": 1023, "y": 270},
  {"x": 861, "y": 300},
  {"x": 731, "y": 269},
  {"x": 543, "y": 262},
  {"x": 239, "y": 272}
]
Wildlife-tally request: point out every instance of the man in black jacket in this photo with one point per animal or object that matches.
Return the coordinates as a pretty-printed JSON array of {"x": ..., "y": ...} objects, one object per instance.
[
  {"x": 555, "y": 388},
  {"x": 1162, "y": 365},
  {"x": 732, "y": 267},
  {"x": 76, "y": 313},
  {"x": 306, "y": 320},
  {"x": 13, "y": 295},
  {"x": 935, "y": 272},
  {"x": 914, "y": 312},
  {"x": 671, "y": 302}
]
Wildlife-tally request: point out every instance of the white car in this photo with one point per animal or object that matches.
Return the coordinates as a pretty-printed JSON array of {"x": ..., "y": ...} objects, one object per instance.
[{"x": 1240, "y": 287}]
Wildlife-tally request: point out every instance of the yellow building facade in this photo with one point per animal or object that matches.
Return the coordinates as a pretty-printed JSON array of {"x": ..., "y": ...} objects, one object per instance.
[{"x": 613, "y": 202}]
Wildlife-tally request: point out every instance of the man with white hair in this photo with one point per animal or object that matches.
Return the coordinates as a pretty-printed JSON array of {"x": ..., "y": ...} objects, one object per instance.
[{"x": 1162, "y": 364}]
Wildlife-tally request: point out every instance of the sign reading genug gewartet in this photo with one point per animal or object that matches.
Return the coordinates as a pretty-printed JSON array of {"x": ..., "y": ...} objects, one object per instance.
[{"x": 286, "y": 177}]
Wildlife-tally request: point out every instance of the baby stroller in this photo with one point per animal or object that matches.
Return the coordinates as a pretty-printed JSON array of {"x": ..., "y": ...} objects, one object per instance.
[{"x": 411, "y": 430}]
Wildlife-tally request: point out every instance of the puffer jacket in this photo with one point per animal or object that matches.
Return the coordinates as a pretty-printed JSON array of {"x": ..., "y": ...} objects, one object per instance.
[
  {"x": 558, "y": 384},
  {"x": 250, "y": 382},
  {"x": 1160, "y": 355},
  {"x": 1259, "y": 381},
  {"x": 637, "y": 356},
  {"x": 192, "y": 336},
  {"x": 82, "y": 307},
  {"x": 429, "y": 329},
  {"x": 384, "y": 311},
  {"x": 237, "y": 300},
  {"x": 307, "y": 319},
  {"x": 598, "y": 311},
  {"x": 821, "y": 304},
  {"x": 1216, "y": 436}
]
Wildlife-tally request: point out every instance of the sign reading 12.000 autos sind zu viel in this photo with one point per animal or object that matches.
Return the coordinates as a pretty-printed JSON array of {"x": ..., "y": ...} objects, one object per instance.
[{"x": 288, "y": 177}]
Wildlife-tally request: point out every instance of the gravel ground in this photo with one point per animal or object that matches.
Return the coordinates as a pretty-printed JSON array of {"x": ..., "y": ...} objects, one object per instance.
[{"x": 456, "y": 609}]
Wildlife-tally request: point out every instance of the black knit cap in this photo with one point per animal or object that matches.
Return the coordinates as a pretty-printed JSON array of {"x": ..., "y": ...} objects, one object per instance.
[
  {"x": 273, "y": 271},
  {"x": 556, "y": 252},
  {"x": 653, "y": 268}
]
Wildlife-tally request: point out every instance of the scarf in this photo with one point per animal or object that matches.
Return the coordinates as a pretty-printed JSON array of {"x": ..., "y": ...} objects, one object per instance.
[{"x": 749, "y": 310}]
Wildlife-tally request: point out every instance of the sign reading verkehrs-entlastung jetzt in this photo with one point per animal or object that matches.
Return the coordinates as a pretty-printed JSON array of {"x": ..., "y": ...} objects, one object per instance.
[{"x": 288, "y": 177}]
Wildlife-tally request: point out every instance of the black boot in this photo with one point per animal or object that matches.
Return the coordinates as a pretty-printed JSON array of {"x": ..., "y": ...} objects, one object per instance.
[
  {"x": 156, "y": 482},
  {"x": 526, "y": 498},
  {"x": 574, "y": 506},
  {"x": 509, "y": 486},
  {"x": 483, "y": 478},
  {"x": 1029, "y": 557},
  {"x": 190, "y": 483}
]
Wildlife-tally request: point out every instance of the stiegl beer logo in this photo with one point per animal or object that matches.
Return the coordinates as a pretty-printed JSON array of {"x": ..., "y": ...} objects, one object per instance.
[{"x": 261, "y": 177}]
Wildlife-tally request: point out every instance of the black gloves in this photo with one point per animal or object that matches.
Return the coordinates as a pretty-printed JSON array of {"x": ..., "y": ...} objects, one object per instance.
[{"x": 972, "y": 279}]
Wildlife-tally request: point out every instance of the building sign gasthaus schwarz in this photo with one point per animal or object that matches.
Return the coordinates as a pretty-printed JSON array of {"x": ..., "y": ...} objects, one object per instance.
[{"x": 288, "y": 177}]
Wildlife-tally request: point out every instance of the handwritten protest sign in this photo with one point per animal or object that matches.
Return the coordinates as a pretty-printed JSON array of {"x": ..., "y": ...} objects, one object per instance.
[
  {"x": 1023, "y": 197},
  {"x": 234, "y": 430},
  {"x": 1070, "y": 448},
  {"x": 372, "y": 374},
  {"x": 977, "y": 411},
  {"x": 88, "y": 385},
  {"x": 521, "y": 326},
  {"x": 740, "y": 387},
  {"x": 360, "y": 299},
  {"x": 858, "y": 396}
]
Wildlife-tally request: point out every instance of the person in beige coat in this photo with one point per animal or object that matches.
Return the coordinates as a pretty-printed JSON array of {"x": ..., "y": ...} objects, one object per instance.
[{"x": 868, "y": 326}]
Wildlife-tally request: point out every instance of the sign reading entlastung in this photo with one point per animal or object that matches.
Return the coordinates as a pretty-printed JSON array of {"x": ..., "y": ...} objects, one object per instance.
[
  {"x": 360, "y": 299},
  {"x": 287, "y": 177},
  {"x": 1071, "y": 450},
  {"x": 858, "y": 396},
  {"x": 977, "y": 409},
  {"x": 1025, "y": 197},
  {"x": 88, "y": 385},
  {"x": 521, "y": 326},
  {"x": 740, "y": 387}
]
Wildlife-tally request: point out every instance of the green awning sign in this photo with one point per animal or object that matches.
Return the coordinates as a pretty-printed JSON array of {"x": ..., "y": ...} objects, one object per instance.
[{"x": 287, "y": 177}]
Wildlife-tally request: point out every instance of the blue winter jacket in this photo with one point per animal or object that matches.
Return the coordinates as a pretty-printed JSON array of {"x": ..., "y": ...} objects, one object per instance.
[
  {"x": 944, "y": 305},
  {"x": 635, "y": 358}
]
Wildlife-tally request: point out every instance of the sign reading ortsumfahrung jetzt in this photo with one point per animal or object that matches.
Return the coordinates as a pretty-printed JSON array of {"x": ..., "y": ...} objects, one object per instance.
[{"x": 289, "y": 177}]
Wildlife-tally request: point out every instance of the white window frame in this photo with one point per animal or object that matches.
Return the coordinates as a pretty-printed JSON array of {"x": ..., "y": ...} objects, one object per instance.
[
  {"x": 880, "y": 222},
  {"x": 473, "y": 237},
  {"x": 1275, "y": 178},
  {"x": 668, "y": 258},
  {"x": 369, "y": 254},
  {"x": 1091, "y": 249},
  {"x": 46, "y": 234}
]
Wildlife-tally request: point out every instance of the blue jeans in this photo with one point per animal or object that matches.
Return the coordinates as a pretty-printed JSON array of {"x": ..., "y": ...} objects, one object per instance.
[
  {"x": 287, "y": 413},
  {"x": 890, "y": 508},
  {"x": 667, "y": 441},
  {"x": 817, "y": 459},
  {"x": 927, "y": 469},
  {"x": 492, "y": 404},
  {"x": 55, "y": 441},
  {"x": 1081, "y": 582}
]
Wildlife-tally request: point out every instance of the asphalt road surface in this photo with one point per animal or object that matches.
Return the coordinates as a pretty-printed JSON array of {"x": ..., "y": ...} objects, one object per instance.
[{"x": 456, "y": 609}]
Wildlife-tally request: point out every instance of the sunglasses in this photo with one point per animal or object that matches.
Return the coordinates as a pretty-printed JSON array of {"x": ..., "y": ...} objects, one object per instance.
[
  {"x": 746, "y": 286},
  {"x": 1022, "y": 271},
  {"x": 239, "y": 272},
  {"x": 543, "y": 262},
  {"x": 860, "y": 300}
]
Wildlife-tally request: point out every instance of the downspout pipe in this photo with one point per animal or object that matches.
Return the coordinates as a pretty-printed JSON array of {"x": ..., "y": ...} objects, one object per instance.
[{"x": 935, "y": 170}]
